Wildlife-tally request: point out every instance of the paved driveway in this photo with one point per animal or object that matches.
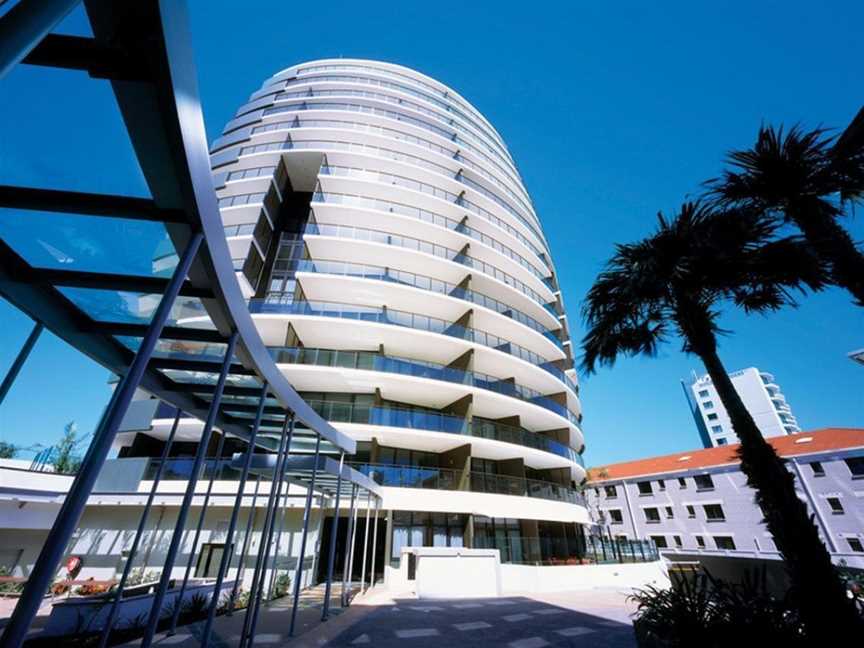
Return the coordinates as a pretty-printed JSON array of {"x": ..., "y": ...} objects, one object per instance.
[{"x": 579, "y": 619}]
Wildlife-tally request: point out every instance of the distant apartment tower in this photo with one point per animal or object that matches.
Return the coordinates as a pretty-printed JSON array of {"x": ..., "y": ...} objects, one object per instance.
[{"x": 761, "y": 395}]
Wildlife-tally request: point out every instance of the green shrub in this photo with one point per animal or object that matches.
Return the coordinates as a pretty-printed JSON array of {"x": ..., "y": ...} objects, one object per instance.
[
  {"x": 282, "y": 585},
  {"x": 707, "y": 612}
]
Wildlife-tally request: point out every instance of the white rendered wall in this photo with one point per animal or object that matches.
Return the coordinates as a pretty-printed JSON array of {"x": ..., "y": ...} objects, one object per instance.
[{"x": 563, "y": 578}]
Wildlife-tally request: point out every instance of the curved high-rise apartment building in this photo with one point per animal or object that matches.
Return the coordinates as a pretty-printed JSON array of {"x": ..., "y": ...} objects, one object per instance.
[{"x": 398, "y": 272}]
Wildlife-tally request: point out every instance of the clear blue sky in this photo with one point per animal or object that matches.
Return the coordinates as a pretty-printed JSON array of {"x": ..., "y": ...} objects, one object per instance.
[{"x": 611, "y": 112}]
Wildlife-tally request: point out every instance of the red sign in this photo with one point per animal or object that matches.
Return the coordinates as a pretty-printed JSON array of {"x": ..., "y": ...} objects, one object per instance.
[{"x": 73, "y": 563}]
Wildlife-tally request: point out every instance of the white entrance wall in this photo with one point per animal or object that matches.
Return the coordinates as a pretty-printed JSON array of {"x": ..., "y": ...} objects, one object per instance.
[
  {"x": 563, "y": 578},
  {"x": 452, "y": 572},
  {"x": 441, "y": 571}
]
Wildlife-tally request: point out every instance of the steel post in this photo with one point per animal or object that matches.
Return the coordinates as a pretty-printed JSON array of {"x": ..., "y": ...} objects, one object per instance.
[
  {"x": 127, "y": 569},
  {"x": 250, "y": 621},
  {"x": 365, "y": 541},
  {"x": 73, "y": 505},
  {"x": 306, "y": 515},
  {"x": 374, "y": 542},
  {"x": 198, "y": 527},
  {"x": 232, "y": 523},
  {"x": 177, "y": 536},
  {"x": 351, "y": 552},
  {"x": 331, "y": 558},
  {"x": 280, "y": 511},
  {"x": 345, "y": 575},
  {"x": 20, "y": 359},
  {"x": 241, "y": 565}
]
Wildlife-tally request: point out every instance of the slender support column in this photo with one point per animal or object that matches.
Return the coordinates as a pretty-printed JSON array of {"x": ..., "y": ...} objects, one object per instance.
[
  {"x": 281, "y": 509},
  {"x": 20, "y": 359},
  {"x": 316, "y": 551},
  {"x": 176, "y": 616},
  {"x": 24, "y": 27},
  {"x": 306, "y": 515},
  {"x": 346, "y": 574},
  {"x": 180, "y": 524},
  {"x": 241, "y": 565},
  {"x": 232, "y": 523},
  {"x": 139, "y": 532},
  {"x": 374, "y": 542},
  {"x": 352, "y": 552},
  {"x": 365, "y": 541},
  {"x": 278, "y": 510},
  {"x": 73, "y": 505},
  {"x": 250, "y": 621},
  {"x": 331, "y": 558}
]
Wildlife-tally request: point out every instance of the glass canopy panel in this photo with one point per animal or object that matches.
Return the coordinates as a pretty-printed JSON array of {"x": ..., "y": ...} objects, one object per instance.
[
  {"x": 56, "y": 241},
  {"x": 180, "y": 349},
  {"x": 132, "y": 307},
  {"x": 210, "y": 377}
]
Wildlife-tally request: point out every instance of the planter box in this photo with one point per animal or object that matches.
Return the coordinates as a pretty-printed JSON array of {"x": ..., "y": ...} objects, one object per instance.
[{"x": 74, "y": 615}]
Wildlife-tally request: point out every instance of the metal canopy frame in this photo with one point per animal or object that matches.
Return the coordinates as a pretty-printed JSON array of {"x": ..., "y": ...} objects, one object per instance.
[
  {"x": 143, "y": 49},
  {"x": 298, "y": 469}
]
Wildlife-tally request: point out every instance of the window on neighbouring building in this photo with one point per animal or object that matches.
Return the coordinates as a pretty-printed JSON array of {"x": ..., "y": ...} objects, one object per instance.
[
  {"x": 644, "y": 487},
  {"x": 691, "y": 512},
  {"x": 855, "y": 544},
  {"x": 661, "y": 484},
  {"x": 816, "y": 467},
  {"x": 652, "y": 515},
  {"x": 724, "y": 542},
  {"x": 712, "y": 416},
  {"x": 708, "y": 405},
  {"x": 856, "y": 466},
  {"x": 703, "y": 482},
  {"x": 834, "y": 503},
  {"x": 669, "y": 513},
  {"x": 616, "y": 516},
  {"x": 611, "y": 492},
  {"x": 677, "y": 540},
  {"x": 717, "y": 429},
  {"x": 714, "y": 512},
  {"x": 722, "y": 441},
  {"x": 660, "y": 541},
  {"x": 703, "y": 393},
  {"x": 682, "y": 483},
  {"x": 700, "y": 541}
]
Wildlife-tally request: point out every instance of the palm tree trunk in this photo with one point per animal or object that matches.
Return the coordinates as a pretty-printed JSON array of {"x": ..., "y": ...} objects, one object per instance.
[
  {"x": 833, "y": 244},
  {"x": 816, "y": 588}
]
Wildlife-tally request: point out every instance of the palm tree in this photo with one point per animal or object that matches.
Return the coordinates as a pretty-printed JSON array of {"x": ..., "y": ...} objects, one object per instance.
[
  {"x": 807, "y": 178},
  {"x": 673, "y": 284}
]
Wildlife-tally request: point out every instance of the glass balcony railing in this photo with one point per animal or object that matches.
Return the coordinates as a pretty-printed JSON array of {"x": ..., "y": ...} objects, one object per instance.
[
  {"x": 344, "y": 268},
  {"x": 551, "y": 550},
  {"x": 443, "y": 130},
  {"x": 449, "y": 106},
  {"x": 518, "y": 194},
  {"x": 372, "y": 361},
  {"x": 426, "y": 216},
  {"x": 407, "y": 183},
  {"x": 410, "y": 320},
  {"x": 417, "y": 321},
  {"x": 438, "y": 192},
  {"x": 340, "y": 145},
  {"x": 419, "y": 419},
  {"x": 444, "y": 479}
]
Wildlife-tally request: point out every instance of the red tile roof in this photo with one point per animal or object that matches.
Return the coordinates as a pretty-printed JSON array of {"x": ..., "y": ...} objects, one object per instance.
[{"x": 817, "y": 441}]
